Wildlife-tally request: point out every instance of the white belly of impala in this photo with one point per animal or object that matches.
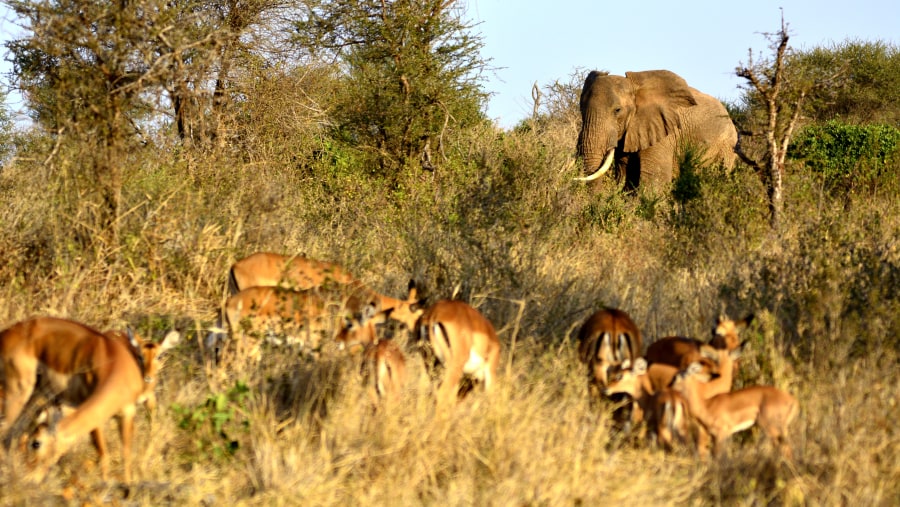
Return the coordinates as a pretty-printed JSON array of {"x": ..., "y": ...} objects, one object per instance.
[{"x": 743, "y": 426}]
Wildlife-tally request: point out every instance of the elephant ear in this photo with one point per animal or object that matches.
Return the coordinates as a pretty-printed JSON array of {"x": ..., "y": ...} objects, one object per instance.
[{"x": 660, "y": 98}]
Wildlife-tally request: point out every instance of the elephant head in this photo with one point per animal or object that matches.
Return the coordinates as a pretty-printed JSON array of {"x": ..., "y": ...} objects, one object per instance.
[{"x": 626, "y": 115}]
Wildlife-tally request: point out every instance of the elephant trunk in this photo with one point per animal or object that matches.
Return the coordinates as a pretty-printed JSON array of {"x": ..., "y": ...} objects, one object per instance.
[{"x": 598, "y": 156}]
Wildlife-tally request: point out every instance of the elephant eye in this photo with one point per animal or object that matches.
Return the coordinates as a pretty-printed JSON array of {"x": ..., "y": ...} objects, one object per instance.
[{"x": 617, "y": 110}]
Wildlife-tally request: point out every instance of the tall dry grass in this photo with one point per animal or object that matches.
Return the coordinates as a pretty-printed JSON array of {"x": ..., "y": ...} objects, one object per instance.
[{"x": 501, "y": 225}]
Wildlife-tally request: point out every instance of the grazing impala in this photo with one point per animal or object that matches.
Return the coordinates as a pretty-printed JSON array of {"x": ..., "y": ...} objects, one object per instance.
[
  {"x": 662, "y": 409},
  {"x": 99, "y": 375},
  {"x": 672, "y": 421},
  {"x": 725, "y": 414},
  {"x": 304, "y": 317},
  {"x": 463, "y": 341},
  {"x": 680, "y": 352},
  {"x": 383, "y": 367},
  {"x": 150, "y": 357},
  {"x": 608, "y": 338},
  {"x": 265, "y": 269}
]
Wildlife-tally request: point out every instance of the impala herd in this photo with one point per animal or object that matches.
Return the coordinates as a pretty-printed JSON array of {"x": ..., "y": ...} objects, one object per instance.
[{"x": 62, "y": 380}]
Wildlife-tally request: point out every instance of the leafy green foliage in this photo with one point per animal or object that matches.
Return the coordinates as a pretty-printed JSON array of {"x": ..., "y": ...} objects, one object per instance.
[
  {"x": 686, "y": 185},
  {"x": 413, "y": 74},
  {"x": 848, "y": 156},
  {"x": 217, "y": 424},
  {"x": 870, "y": 90}
]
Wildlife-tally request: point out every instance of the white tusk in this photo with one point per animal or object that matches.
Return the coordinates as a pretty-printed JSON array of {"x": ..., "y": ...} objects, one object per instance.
[{"x": 607, "y": 162}]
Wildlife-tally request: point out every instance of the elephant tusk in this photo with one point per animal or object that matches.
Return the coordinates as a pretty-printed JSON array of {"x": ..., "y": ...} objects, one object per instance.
[{"x": 601, "y": 171}]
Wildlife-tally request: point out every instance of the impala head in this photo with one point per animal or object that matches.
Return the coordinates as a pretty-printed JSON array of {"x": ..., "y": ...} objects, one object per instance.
[
  {"x": 696, "y": 372},
  {"x": 360, "y": 330},
  {"x": 627, "y": 379},
  {"x": 409, "y": 310},
  {"x": 726, "y": 331},
  {"x": 39, "y": 446},
  {"x": 150, "y": 357}
]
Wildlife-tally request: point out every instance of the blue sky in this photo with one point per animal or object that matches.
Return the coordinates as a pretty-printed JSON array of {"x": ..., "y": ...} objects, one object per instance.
[{"x": 703, "y": 41}]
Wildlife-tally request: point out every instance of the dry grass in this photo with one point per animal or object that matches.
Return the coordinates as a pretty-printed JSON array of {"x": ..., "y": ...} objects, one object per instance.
[{"x": 508, "y": 231}]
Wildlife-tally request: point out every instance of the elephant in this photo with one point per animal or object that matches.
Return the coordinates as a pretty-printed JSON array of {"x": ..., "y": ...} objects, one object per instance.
[{"x": 643, "y": 120}]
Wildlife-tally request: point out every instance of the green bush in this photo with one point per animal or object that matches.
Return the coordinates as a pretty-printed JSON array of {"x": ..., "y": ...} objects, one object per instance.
[
  {"x": 848, "y": 156},
  {"x": 214, "y": 424}
]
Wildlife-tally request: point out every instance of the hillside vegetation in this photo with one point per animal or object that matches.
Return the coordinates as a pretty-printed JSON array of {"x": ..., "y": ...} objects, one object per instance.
[{"x": 493, "y": 218}]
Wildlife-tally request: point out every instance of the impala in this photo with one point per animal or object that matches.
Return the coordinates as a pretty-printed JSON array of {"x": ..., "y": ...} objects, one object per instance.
[
  {"x": 303, "y": 317},
  {"x": 280, "y": 316},
  {"x": 99, "y": 375},
  {"x": 150, "y": 357},
  {"x": 671, "y": 420},
  {"x": 464, "y": 341},
  {"x": 680, "y": 352},
  {"x": 265, "y": 269},
  {"x": 725, "y": 414},
  {"x": 607, "y": 338},
  {"x": 662, "y": 409},
  {"x": 383, "y": 367}
]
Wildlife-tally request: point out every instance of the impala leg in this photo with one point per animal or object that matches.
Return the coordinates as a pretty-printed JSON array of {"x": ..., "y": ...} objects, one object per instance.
[
  {"x": 126, "y": 430},
  {"x": 99, "y": 442},
  {"x": 703, "y": 442},
  {"x": 450, "y": 386}
]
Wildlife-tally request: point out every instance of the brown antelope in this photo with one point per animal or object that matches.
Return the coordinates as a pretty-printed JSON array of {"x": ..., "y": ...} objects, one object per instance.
[
  {"x": 680, "y": 352},
  {"x": 383, "y": 367},
  {"x": 99, "y": 375},
  {"x": 648, "y": 385},
  {"x": 303, "y": 317},
  {"x": 671, "y": 420},
  {"x": 150, "y": 357},
  {"x": 265, "y": 269},
  {"x": 607, "y": 338},
  {"x": 725, "y": 414},
  {"x": 464, "y": 341}
]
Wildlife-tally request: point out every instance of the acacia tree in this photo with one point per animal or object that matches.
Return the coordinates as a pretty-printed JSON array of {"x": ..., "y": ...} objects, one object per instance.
[
  {"x": 96, "y": 75},
  {"x": 871, "y": 88},
  {"x": 413, "y": 72},
  {"x": 782, "y": 92}
]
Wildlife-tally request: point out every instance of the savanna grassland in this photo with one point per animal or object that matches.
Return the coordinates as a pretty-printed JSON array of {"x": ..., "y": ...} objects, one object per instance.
[
  {"x": 169, "y": 139},
  {"x": 509, "y": 231}
]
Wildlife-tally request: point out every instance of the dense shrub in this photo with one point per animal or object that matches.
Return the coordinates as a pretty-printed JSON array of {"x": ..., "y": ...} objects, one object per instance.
[{"x": 849, "y": 157}]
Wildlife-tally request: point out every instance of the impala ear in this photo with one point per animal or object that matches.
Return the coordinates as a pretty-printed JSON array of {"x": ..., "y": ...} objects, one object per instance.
[
  {"x": 640, "y": 366},
  {"x": 132, "y": 339},
  {"x": 172, "y": 338},
  {"x": 695, "y": 368}
]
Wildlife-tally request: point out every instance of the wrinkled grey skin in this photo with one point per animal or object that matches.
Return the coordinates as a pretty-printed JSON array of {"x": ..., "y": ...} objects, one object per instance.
[{"x": 645, "y": 117}]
